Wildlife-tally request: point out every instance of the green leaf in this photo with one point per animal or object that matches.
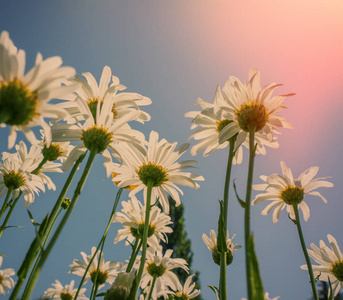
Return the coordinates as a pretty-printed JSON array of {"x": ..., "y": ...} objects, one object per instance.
[
  {"x": 241, "y": 202},
  {"x": 32, "y": 219},
  {"x": 330, "y": 287},
  {"x": 215, "y": 290},
  {"x": 100, "y": 295},
  {"x": 221, "y": 239},
  {"x": 255, "y": 278},
  {"x": 294, "y": 221}
]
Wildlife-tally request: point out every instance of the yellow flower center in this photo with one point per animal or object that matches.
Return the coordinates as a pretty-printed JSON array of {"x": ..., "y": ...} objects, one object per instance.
[
  {"x": 292, "y": 195},
  {"x": 252, "y": 115},
  {"x": 93, "y": 104},
  {"x": 181, "y": 296},
  {"x": 100, "y": 276},
  {"x": 138, "y": 232},
  {"x": 337, "y": 270},
  {"x": 53, "y": 152},
  {"x": 96, "y": 138},
  {"x": 156, "y": 270},
  {"x": 152, "y": 172},
  {"x": 66, "y": 296},
  {"x": 14, "y": 180},
  {"x": 18, "y": 105}
]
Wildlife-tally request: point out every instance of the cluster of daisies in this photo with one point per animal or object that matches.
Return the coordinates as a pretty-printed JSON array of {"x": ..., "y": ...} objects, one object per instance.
[{"x": 92, "y": 117}]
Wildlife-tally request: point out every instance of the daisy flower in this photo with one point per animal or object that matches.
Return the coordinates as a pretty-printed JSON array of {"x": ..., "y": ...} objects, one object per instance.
[
  {"x": 107, "y": 270},
  {"x": 159, "y": 266},
  {"x": 60, "y": 292},
  {"x": 211, "y": 243},
  {"x": 330, "y": 263},
  {"x": 16, "y": 175},
  {"x": 90, "y": 92},
  {"x": 132, "y": 218},
  {"x": 6, "y": 281},
  {"x": 266, "y": 297},
  {"x": 187, "y": 291},
  {"x": 212, "y": 120},
  {"x": 284, "y": 191},
  {"x": 158, "y": 164},
  {"x": 97, "y": 133},
  {"x": 251, "y": 107},
  {"x": 120, "y": 288},
  {"x": 24, "y": 98}
]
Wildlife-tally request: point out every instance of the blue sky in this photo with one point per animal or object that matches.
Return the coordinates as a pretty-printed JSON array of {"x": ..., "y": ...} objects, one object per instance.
[{"x": 174, "y": 52}]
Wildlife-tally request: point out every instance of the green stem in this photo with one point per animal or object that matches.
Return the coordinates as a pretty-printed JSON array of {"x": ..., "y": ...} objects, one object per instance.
[
  {"x": 54, "y": 238},
  {"x": 35, "y": 171},
  {"x": 4, "y": 206},
  {"x": 35, "y": 245},
  {"x": 102, "y": 241},
  {"x": 303, "y": 246},
  {"x": 222, "y": 280},
  {"x": 144, "y": 241},
  {"x": 3, "y": 226},
  {"x": 152, "y": 287},
  {"x": 136, "y": 247},
  {"x": 247, "y": 207}
]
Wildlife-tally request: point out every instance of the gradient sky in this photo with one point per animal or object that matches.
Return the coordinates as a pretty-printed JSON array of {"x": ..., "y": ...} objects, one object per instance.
[{"x": 174, "y": 52}]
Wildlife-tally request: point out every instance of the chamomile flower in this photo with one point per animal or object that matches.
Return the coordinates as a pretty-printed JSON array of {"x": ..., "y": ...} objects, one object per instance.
[
  {"x": 330, "y": 263},
  {"x": 16, "y": 175},
  {"x": 158, "y": 165},
  {"x": 24, "y": 98},
  {"x": 6, "y": 281},
  {"x": 107, "y": 270},
  {"x": 90, "y": 92},
  {"x": 211, "y": 243},
  {"x": 132, "y": 218},
  {"x": 212, "y": 120},
  {"x": 266, "y": 297},
  {"x": 251, "y": 107},
  {"x": 60, "y": 292},
  {"x": 120, "y": 288},
  {"x": 98, "y": 132},
  {"x": 285, "y": 191},
  {"x": 187, "y": 291},
  {"x": 159, "y": 266}
]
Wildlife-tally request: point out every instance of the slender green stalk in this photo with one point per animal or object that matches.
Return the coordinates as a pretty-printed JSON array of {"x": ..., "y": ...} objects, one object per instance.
[
  {"x": 35, "y": 245},
  {"x": 144, "y": 240},
  {"x": 4, "y": 206},
  {"x": 307, "y": 258},
  {"x": 247, "y": 207},
  {"x": 222, "y": 279},
  {"x": 54, "y": 238},
  {"x": 3, "y": 226},
  {"x": 35, "y": 171},
  {"x": 102, "y": 241},
  {"x": 40, "y": 253},
  {"x": 135, "y": 250},
  {"x": 152, "y": 287}
]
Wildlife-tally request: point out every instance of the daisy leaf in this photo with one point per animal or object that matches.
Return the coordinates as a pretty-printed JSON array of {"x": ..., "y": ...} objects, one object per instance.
[
  {"x": 215, "y": 290},
  {"x": 241, "y": 202},
  {"x": 294, "y": 221}
]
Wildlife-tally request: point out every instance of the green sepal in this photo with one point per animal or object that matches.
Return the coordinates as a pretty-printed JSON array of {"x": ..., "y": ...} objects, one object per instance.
[
  {"x": 215, "y": 290},
  {"x": 221, "y": 239},
  {"x": 255, "y": 278},
  {"x": 240, "y": 201},
  {"x": 330, "y": 288},
  {"x": 294, "y": 221}
]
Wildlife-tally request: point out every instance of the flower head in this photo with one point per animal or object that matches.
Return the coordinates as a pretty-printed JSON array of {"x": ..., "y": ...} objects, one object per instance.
[
  {"x": 67, "y": 292},
  {"x": 24, "y": 98},
  {"x": 6, "y": 281},
  {"x": 132, "y": 218},
  {"x": 106, "y": 270},
  {"x": 212, "y": 120},
  {"x": 330, "y": 263},
  {"x": 187, "y": 291},
  {"x": 211, "y": 244},
  {"x": 285, "y": 191},
  {"x": 120, "y": 288},
  {"x": 252, "y": 108},
  {"x": 156, "y": 165}
]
